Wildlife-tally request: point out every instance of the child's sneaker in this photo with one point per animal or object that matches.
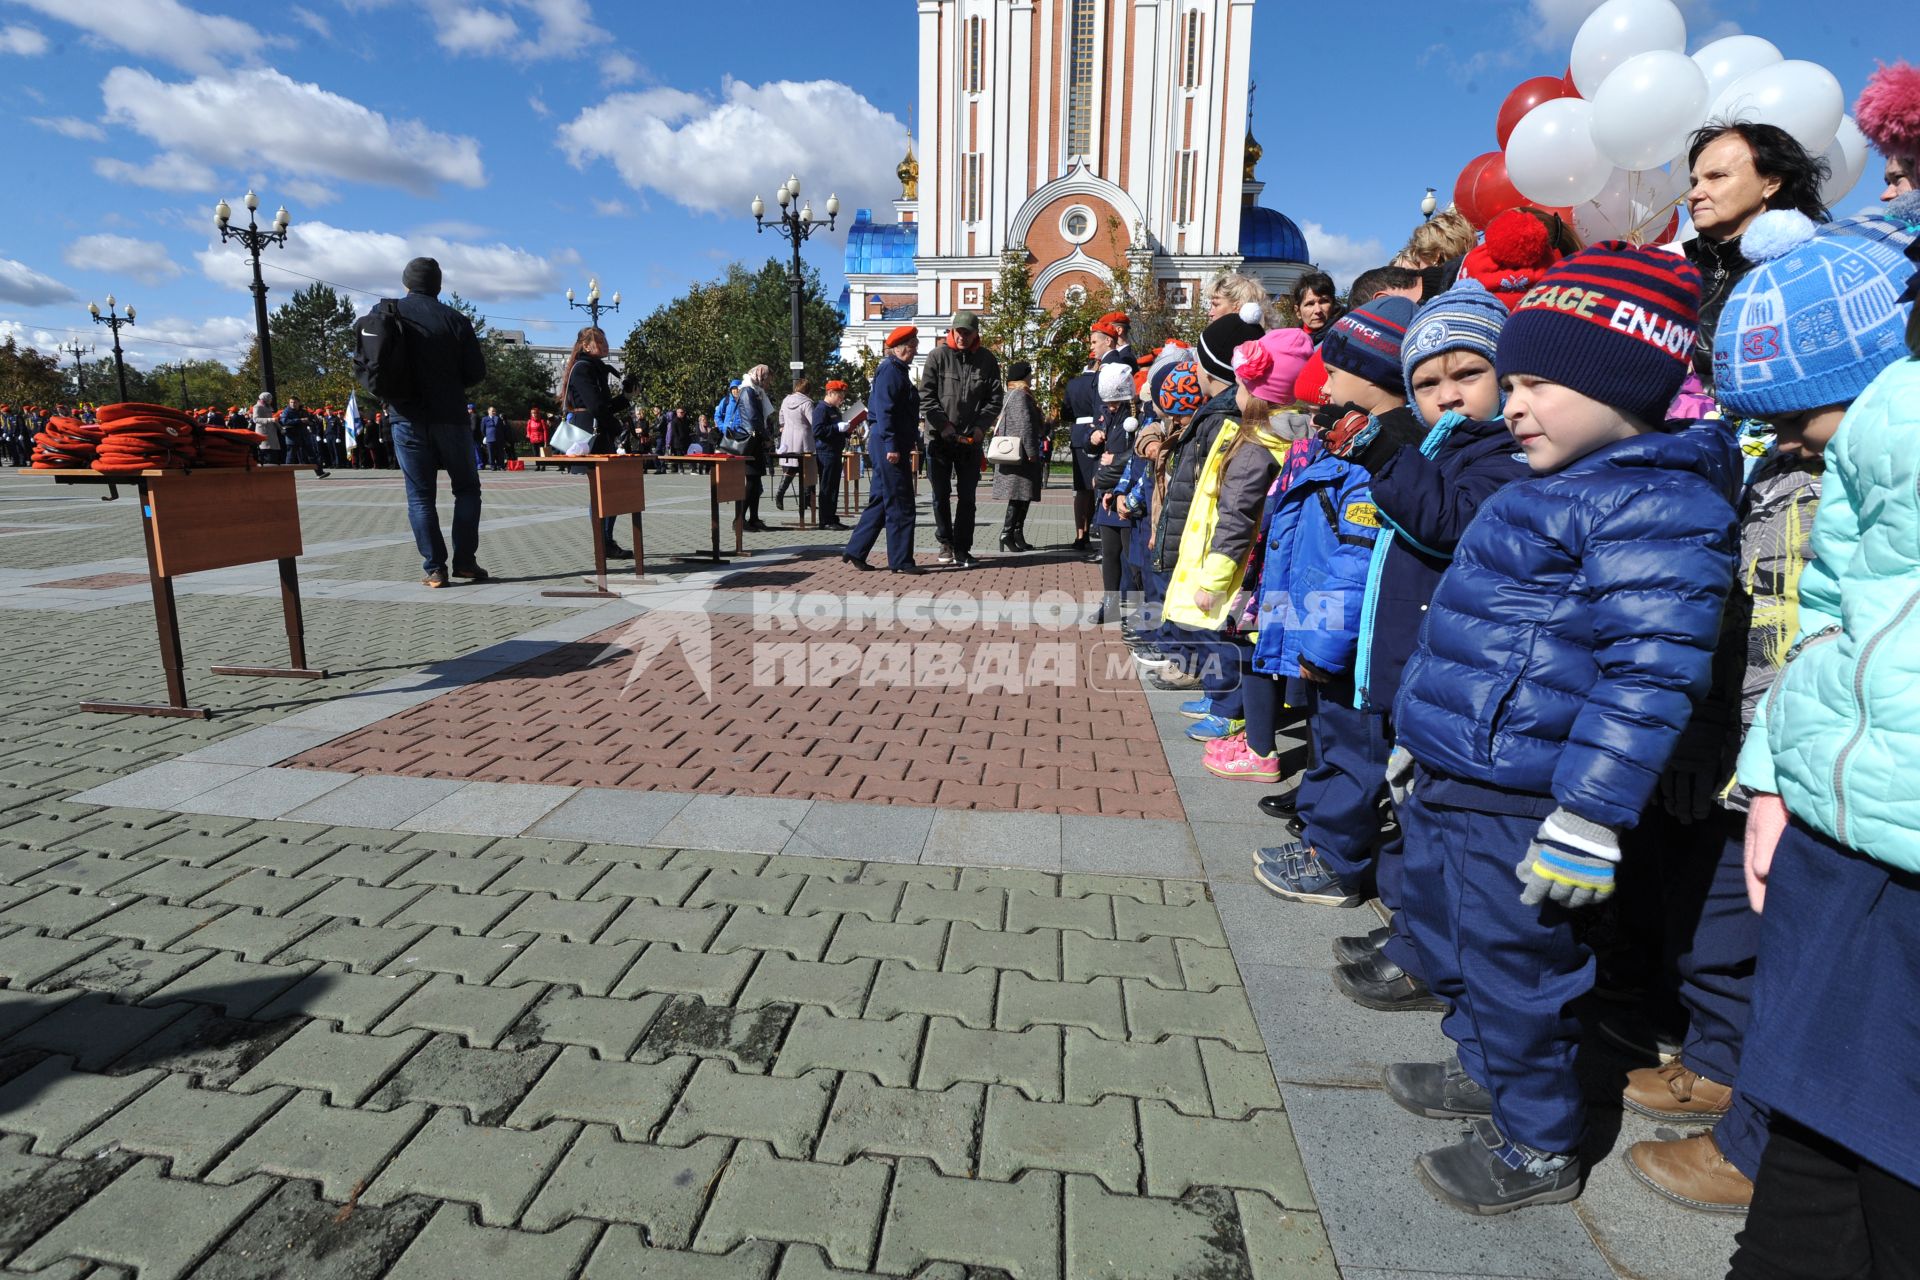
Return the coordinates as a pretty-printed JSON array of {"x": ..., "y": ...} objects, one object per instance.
[
  {"x": 1295, "y": 873},
  {"x": 1208, "y": 728},
  {"x": 1485, "y": 1173},
  {"x": 1197, "y": 708},
  {"x": 1438, "y": 1090},
  {"x": 1231, "y": 758}
]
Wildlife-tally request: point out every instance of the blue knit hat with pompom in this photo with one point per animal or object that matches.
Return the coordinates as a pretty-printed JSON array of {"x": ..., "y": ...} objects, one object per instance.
[{"x": 1819, "y": 315}]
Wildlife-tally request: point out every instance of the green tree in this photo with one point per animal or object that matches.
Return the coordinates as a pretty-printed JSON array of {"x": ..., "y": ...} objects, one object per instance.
[
  {"x": 29, "y": 377},
  {"x": 1010, "y": 329},
  {"x": 688, "y": 349},
  {"x": 103, "y": 383},
  {"x": 313, "y": 341},
  {"x": 516, "y": 378}
]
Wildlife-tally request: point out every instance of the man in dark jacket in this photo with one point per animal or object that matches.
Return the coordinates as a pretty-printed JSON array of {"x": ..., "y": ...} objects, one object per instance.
[
  {"x": 893, "y": 433},
  {"x": 961, "y": 394},
  {"x": 1086, "y": 434},
  {"x": 429, "y": 424},
  {"x": 829, "y": 449}
]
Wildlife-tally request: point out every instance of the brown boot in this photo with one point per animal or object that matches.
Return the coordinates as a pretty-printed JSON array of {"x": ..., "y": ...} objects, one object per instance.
[
  {"x": 1692, "y": 1172},
  {"x": 1671, "y": 1092}
]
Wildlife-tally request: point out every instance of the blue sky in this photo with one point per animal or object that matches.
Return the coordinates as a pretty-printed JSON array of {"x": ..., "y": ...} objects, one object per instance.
[{"x": 531, "y": 144}]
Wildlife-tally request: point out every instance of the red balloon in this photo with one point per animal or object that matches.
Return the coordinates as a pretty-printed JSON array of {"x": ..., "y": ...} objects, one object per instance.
[
  {"x": 1673, "y": 229},
  {"x": 1463, "y": 187},
  {"x": 1573, "y": 90},
  {"x": 1527, "y": 95},
  {"x": 1493, "y": 192}
]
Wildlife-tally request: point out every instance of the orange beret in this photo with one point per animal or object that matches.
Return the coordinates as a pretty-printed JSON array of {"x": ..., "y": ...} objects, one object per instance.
[
  {"x": 905, "y": 333},
  {"x": 836, "y": 385}
]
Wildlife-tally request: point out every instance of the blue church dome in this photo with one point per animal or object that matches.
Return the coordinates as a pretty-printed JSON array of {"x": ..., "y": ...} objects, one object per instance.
[
  {"x": 1267, "y": 235},
  {"x": 882, "y": 248}
]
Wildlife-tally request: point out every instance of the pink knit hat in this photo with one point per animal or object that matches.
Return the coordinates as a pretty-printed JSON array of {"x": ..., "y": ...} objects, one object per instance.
[{"x": 1269, "y": 366}]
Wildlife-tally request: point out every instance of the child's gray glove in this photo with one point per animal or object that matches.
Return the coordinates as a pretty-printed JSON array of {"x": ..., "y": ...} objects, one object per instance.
[
  {"x": 1570, "y": 860},
  {"x": 1400, "y": 776}
]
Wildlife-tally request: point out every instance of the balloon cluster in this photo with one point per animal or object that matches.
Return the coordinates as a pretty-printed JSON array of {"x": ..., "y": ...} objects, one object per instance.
[{"x": 1604, "y": 145}]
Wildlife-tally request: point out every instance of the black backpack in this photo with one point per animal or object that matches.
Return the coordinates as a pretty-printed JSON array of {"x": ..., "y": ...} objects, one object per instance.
[{"x": 380, "y": 361}]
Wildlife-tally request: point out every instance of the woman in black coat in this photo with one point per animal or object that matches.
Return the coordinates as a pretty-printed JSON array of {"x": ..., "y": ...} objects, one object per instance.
[{"x": 591, "y": 400}]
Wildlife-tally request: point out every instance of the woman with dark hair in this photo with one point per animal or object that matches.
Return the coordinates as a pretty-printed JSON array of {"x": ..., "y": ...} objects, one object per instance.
[
  {"x": 1740, "y": 170},
  {"x": 590, "y": 399},
  {"x": 1315, "y": 301}
]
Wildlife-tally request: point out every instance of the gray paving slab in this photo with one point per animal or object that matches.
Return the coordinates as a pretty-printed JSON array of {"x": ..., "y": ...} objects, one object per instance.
[
  {"x": 1266, "y": 930},
  {"x": 1221, "y": 799},
  {"x": 266, "y": 793},
  {"x": 965, "y": 838},
  {"x": 352, "y": 712},
  {"x": 1359, "y": 1150},
  {"x": 1128, "y": 846},
  {"x": 606, "y": 816},
  {"x": 490, "y": 809},
  {"x": 1647, "y": 1235},
  {"x": 162, "y": 786},
  {"x": 269, "y": 744},
  {"x": 871, "y": 832},
  {"x": 747, "y": 824},
  {"x": 1314, "y": 1036},
  {"x": 383, "y": 802}
]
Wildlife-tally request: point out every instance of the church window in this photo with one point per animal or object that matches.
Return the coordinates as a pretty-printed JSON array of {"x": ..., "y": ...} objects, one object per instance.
[
  {"x": 1190, "y": 77},
  {"x": 1183, "y": 186},
  {"x": 1080, "y": 79},
  {"x": 976, "y": 52},
  {"x": 972, "y": 187}
]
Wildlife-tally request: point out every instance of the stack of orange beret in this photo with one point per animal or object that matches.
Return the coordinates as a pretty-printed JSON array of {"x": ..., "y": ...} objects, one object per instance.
[
  {"x": 228, "y": 447},
  {"x": 65, "y": 444},
  {"x": 141, "y": 437}
]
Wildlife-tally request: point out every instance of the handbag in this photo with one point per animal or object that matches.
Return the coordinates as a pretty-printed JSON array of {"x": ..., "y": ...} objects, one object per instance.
[
  {"x": 571, "y": 438},
  {"x": 1006, "y": 449}
]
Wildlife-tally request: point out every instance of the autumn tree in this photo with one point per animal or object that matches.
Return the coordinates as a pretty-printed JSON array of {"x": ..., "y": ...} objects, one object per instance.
[
  {"x": 517, "y": 379},
  {"x": 28, "y": 376},
  {"x": 313, "y": 341}
]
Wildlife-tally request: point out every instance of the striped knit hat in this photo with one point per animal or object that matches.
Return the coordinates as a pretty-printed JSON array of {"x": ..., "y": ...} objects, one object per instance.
[
  {"x": 1614, "y": 322},
  {"x": 1466, "y": 317},
  {"x": 1366, "y": 341}
]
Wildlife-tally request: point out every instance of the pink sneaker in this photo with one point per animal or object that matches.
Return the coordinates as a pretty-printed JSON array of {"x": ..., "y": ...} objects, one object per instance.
[
  {"x": 1235, "y": 761},
  {"x": 1227, "y": 748}
]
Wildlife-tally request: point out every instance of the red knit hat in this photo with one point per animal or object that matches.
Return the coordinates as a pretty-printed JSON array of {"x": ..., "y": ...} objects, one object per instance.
[
  {"x": 1516, "y": 252},
  {"x": 905, "y": 333}
]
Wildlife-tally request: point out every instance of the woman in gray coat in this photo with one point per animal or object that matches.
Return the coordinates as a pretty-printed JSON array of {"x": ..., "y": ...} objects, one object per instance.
[{"x": 1018, "y": 483}]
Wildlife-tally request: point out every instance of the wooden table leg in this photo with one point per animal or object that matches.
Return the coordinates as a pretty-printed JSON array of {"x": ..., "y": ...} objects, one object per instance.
[
  {"x": 296, "y": 634},
  {"x": 166, "y": 621},
  {"x": 600, "y": 591},
  {"x": 639, "y": 546}
]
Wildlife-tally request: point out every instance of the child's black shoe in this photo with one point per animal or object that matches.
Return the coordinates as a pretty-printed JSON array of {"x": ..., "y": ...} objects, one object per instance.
[
  {"x": 1484, "y": 1173},
  {"x": 1376, "y": 982},
  {"x": 1437, "y": 1090}
]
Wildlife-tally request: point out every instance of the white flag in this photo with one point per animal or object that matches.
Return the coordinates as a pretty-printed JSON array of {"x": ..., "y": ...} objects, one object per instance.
[{"x": 353, "y": 417}]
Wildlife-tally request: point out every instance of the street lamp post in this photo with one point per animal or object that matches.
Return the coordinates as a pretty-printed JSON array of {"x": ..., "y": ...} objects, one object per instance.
[
  {"x": 795, "y": 222},
  {"x": 253, "y": 239},
  {"x": 1428, "y": 203},
  {"x": 593, "y": 306},
  {"x": 184, "y": 406},
  {"x": 113, "y": 320},
  {"x": 75, "y": 350}
]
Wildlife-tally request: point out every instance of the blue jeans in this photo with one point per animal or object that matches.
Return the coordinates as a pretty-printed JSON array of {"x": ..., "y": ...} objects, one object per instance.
[{"x": 423, "y": 453}]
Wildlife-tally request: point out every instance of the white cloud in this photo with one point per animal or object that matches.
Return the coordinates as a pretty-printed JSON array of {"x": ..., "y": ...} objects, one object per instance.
[
  {"x": 308, "y": 192},
  {"x": 24, "y": 41},
  {"x": 610, "y": 208},
  {"x": 618, "y": 68},
  {"x": 162, "y": 29},
  {"x": 371, "y": 260},
  {"x": 525, "y": 30},
  {"x": 538, "y": 105},
  {"x": 1552, "y": 23},
  {"x": 170, "y": 339},
  {"x": 463, "y": 30},
  {"x": 71, "y": 127},
  {"x": 145, "y": 260},
  {"x": 1342, "y": 257},
  {"x": 312, "y": 21},
  {"x": 168, "y": 171},
  {"x": 713, "y": 156},
  {"x": 262, "y": 117},
  {"x": 22, "y": 284}
]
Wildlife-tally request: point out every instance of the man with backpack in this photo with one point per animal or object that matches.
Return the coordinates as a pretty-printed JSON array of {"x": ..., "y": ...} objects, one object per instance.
[{"x": 418, "y": 356}]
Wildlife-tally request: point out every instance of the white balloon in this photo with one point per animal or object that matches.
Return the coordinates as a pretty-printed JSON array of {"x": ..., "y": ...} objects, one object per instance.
[
  {"x": 1725, "y": 61},
  {"x": 1801, "y": 97},
  {"x": 1647, "y": 107},
  {"x": 1847, "y": 157},
  {"x": 1634, "y": 205},
  {"x": 1618, "y": 30},
  {"x": 1551, "y": 158}
]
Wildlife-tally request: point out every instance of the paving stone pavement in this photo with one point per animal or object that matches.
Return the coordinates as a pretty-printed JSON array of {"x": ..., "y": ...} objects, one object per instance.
[{"x": 326, "y": 1044}]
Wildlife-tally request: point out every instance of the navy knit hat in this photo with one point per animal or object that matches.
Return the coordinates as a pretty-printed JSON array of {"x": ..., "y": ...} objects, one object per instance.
[
  {"x": 1366, "y": 341},
  {"x": 1817, "y": 318},
  {"x": 1219, "y": 340},
  {"x": 1615, "y": 322},
  {"x": 1466, "y": 317}
]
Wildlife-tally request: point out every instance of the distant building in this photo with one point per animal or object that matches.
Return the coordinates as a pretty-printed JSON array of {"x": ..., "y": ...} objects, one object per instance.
[
  {"x": 554, "y": 357},
  {"x": 1096, "y": 136}
]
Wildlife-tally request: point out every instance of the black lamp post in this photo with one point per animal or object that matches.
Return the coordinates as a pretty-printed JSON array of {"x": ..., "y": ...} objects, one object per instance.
[
  {"x": 75, "y": 350},
  {"x": 182, "y": 368},
  {"x": 795, "y": 222},
  {"x": 253, "y": 239},
  {"x": 593, "y": 306},
  {"x": 113, "y": 320}
]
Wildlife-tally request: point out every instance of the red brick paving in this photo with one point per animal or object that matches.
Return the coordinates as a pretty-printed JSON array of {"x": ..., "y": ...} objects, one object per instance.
[{"x": 1083, "y": 745}]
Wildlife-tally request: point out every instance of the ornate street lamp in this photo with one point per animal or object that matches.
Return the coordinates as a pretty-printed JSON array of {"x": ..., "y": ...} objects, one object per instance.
[
  {"x": 113, "y": 320},
  {"x": 593, "y": 306},
  {"x": 75, "y": 350},
  {"x": 1428, "y": 203},
  {"x": 795, "y": 222},
  {"x": 253, "y": 239}
]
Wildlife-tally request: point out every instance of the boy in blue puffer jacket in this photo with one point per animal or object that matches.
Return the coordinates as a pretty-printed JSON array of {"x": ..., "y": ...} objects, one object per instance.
[{"x": 1561, "y": 657}]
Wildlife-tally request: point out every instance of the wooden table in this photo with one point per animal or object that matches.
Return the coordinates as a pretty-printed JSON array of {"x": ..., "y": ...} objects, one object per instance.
[
  {"x": 616, "y": 486},
  {"x": 209, "y": 518},
  {"x": 809, "y": 486},
  {"x": 727, "y": 482}
]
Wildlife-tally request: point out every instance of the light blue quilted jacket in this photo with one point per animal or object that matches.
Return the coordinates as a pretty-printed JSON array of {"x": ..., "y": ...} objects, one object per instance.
[{"x": 1838, "y": 736}]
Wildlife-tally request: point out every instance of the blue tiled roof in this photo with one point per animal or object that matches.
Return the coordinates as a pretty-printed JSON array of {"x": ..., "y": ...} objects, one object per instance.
[
  {"x": 1267, "y": 235},
  {"x": 880, "y": 248}
]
